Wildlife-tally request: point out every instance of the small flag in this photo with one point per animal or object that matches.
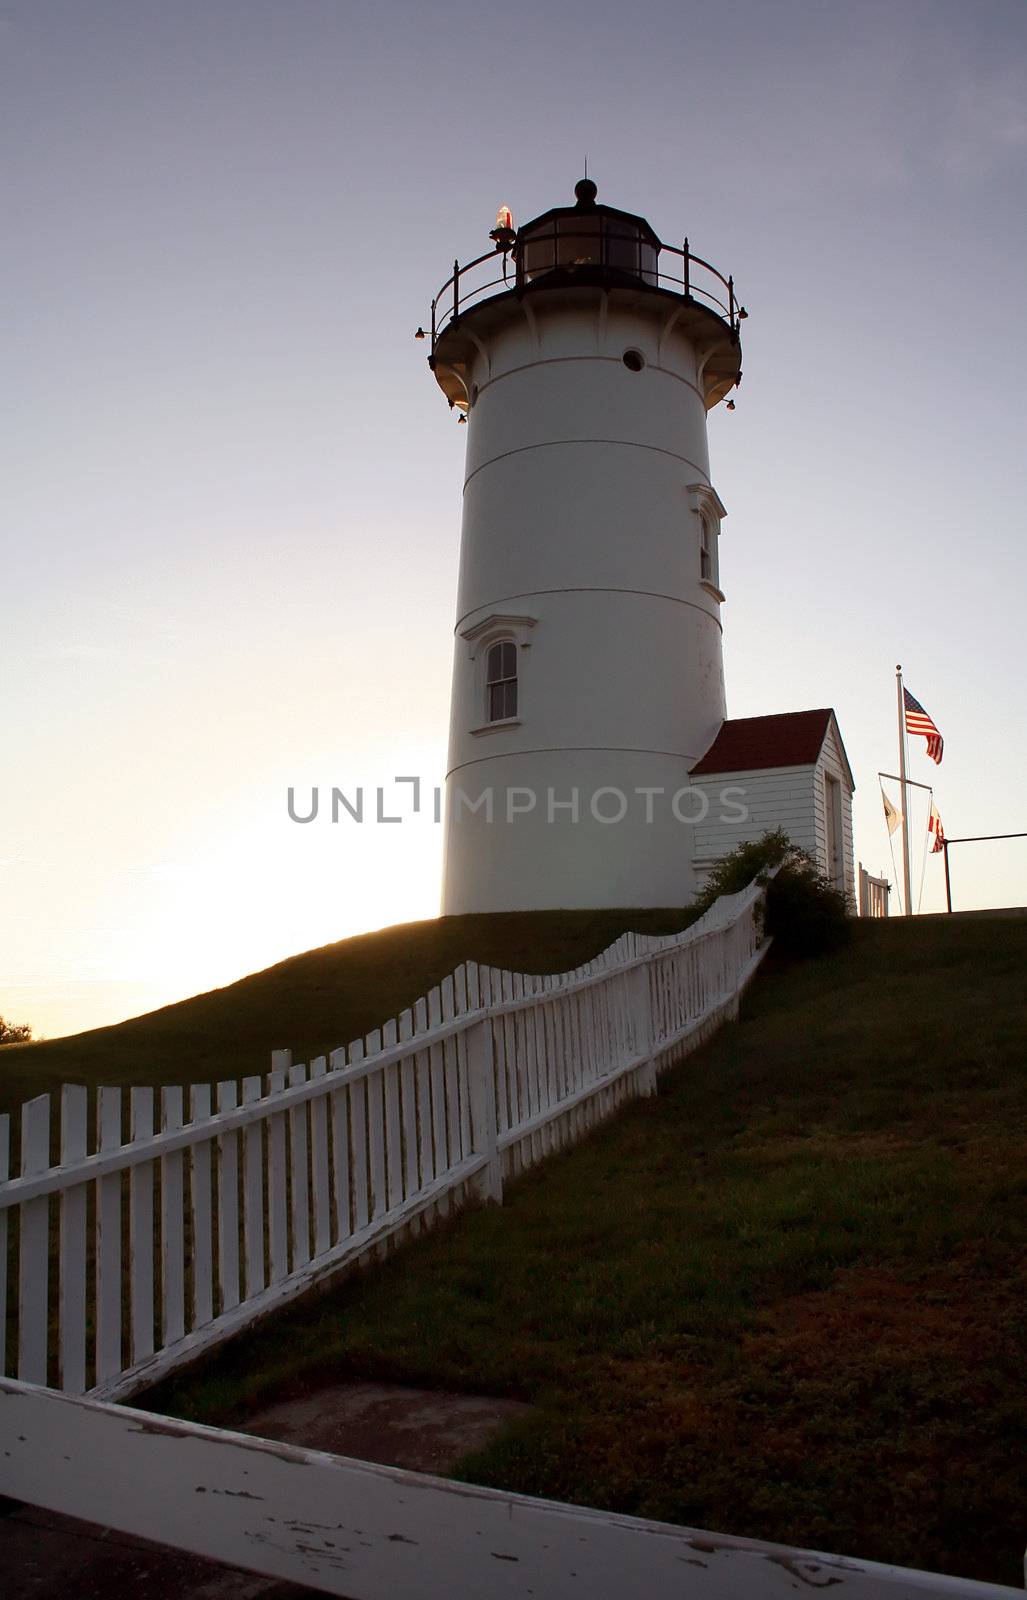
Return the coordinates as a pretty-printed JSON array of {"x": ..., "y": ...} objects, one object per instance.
[
  {"x": 934, "y": 826},
  {"x": 917, "y": 721},
  {"x": 892, "y": 817}
]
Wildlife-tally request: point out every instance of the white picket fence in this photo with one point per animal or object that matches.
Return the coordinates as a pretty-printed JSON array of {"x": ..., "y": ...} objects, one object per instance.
[{"x": 163, "y": 1239}]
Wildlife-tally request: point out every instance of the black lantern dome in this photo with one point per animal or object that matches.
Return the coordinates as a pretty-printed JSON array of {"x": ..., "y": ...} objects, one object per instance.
[{"x": 587, "y": 237}]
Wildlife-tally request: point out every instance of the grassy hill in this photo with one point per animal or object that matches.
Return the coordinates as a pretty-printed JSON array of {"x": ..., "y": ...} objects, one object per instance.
[
  {"x": 313, "y": 1002},
  {"x": 784, "y": 1298}
]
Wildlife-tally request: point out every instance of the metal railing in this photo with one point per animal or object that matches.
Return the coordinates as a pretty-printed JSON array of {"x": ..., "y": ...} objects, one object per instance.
[{"x": 695, "y": 279}]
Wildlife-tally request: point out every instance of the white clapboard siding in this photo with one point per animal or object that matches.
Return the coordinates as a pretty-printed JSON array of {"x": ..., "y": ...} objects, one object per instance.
[
  {"x": 478, "y": 1081},
  {"x": 833, "y": 763},
  {"x": 369, "y": 1532}
]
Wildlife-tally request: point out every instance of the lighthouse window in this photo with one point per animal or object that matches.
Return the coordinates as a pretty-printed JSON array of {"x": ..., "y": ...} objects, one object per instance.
[
  {"x": 705, "y": 551},
  {"x": 634, "y": 360},
  {"x": 501, "y": 681}
]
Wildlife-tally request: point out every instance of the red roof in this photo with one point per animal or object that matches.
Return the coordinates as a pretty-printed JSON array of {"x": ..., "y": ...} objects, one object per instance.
[{"x": 744, "y": 744}]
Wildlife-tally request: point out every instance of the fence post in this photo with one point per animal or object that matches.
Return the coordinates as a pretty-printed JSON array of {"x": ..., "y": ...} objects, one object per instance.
[
  {"x": 481, "y": 1086},
  {"x": 642, "y": 1015}
]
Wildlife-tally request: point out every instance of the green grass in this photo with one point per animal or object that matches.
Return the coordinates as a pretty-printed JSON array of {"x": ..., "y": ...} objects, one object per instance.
[
  {"x": 313, "y": 1002},
  {"x": 782, "y": 1299}
]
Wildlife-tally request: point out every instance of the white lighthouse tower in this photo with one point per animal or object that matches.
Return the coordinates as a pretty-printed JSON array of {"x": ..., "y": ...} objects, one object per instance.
[{"x": 588, "y": 673}]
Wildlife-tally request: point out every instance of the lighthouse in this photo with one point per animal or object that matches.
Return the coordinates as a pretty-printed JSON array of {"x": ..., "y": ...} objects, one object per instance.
[{"x": 584, "y": 355}]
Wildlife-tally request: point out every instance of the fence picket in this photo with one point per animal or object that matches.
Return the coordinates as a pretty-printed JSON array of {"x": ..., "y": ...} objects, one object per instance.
[
  {"x": 543, "y": 1139},
  {"x": 228, "y": 1201},
  {"x": 519, "y": 1077},
  {"x": 462, "y": 1112},
  {"x": 481, "y": 1087},
  {"x": 5, "y": 1167},
  {"x": 448, "y": 993},
  {"x": 34, "y": 1246},
  {"x": 108, "y": 1241},
  {"x": 140, "y": 1231},
  {"x": 72, "y": 1249},
  {"x": 438, "y": 1087},
  {"x": 201, "y": 1209},
  {"x": 358, "y": 1133},
  {"x": 422, "y": 1068},
  {"x": 300, "y": 1173},
  {"x": 319, "y": 1163},
  {"x": 340, "y": 1152},
  {"x": 376, "y": 1129},
  {"x": 277, "y": 1172},
  {"x": 408, "y": 1093},
  {"x": 253, "y": 1194},
  {"x": 172, "y": 1217},
  {"x": 393, "y": 1126}
]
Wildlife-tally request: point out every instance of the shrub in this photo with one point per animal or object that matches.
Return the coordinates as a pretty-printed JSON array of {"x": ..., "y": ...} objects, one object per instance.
[{"x": 806, "y": 915}]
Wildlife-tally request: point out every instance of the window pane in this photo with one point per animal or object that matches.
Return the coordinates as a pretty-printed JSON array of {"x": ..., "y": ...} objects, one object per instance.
[
  {"x": 509, "y": 650},
  {"x": 511, "y": 698},
  {"x": 494, "y": 668}
]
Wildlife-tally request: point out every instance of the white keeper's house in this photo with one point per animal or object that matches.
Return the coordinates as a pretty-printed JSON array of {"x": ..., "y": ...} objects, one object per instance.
[{"x": 591, "y": 760}]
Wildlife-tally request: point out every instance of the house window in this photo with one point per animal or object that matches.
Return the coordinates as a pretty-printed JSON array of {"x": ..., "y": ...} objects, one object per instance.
[{"x": 501, "y": 681}]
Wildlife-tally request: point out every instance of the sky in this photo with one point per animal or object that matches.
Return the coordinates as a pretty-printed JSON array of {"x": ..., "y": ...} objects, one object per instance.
[{"x": 231, "y": 490}]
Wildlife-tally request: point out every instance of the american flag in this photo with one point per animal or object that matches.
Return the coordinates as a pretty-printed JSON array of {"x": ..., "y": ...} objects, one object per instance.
[{"x": 917, "y": 721}]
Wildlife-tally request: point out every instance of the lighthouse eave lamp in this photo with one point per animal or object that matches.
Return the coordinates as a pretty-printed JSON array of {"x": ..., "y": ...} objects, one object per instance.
[{"x": 588, "y": 675}]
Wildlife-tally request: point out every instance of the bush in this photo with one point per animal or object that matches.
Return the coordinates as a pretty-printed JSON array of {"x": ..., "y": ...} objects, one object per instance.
[{"x": 805, "y": 915}]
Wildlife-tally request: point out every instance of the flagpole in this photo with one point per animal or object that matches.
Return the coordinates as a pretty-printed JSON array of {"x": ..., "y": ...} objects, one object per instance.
[{"x": 907, "y": 890}]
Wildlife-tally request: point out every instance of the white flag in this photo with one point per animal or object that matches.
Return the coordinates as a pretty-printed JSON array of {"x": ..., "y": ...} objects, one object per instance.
[{"x": 892, "y": 817}]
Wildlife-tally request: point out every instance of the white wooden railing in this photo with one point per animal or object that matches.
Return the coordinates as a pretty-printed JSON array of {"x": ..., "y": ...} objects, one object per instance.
[
  {"x": 167, "y": 1224},
  {"x": 377, "y": 1533}
]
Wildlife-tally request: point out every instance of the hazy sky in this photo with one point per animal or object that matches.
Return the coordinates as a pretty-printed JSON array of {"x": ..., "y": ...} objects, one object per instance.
[{"x": 231, "y": 489}]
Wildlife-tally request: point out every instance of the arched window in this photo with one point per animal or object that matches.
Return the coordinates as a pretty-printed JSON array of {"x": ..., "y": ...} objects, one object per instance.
[
  {"x": 708, "y": 508},
  {"x": 707, "y": 572},
  {"x": 501, "y": 681}
]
